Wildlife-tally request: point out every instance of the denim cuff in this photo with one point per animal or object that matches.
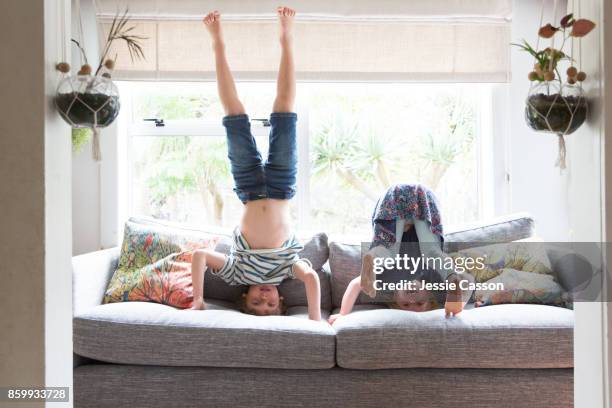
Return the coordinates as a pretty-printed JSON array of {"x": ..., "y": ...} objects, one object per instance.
[
  {"x": 231, "y": 118},
  {"x": 283, "y": 115}
]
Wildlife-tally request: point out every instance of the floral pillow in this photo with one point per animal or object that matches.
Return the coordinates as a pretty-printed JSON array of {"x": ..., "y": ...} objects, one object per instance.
[
  {"x": 523, "y": 287},
  {"x": 521, "y": 256},
  {"x": 155, "y": 266}
]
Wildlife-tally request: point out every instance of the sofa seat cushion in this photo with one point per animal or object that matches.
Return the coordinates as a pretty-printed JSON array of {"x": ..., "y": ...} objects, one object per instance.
[
  {"x": 502, "y": 336},
  {"x": 155, "y": 334}
]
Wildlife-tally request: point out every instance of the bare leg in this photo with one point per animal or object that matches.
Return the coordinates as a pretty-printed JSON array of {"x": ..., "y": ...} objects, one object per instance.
[
  {"x": 225, "y": 82},
  {"x": 285, "y": 85}
]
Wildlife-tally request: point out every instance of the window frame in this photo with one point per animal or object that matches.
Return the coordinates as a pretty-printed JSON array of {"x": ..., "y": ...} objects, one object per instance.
[{"x": 491, "y": 165}]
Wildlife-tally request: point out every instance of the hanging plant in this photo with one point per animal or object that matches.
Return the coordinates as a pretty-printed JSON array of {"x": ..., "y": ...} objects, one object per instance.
[
  {"x": 80, "y": 137},
  {"x": 90, "y": 99},
  {"x": 555, "y": 105}
]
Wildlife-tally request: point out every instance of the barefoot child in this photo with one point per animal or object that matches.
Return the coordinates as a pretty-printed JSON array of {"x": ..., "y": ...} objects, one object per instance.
[
  {"x": 406, "y": 210},
  {"x": 264, "y": 251}
]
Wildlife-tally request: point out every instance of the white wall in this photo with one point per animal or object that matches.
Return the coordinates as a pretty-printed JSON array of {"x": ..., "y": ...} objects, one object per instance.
[
  {"x": 86, "y": 172},
  {"x": 58, "y": 211},
  {"x": 607, "y": 194},
  {"x": 536, "y": 185},
  {"x": 566, "y": 204}
]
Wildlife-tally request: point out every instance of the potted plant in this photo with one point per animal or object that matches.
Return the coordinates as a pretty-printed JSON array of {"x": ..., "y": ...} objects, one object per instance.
[
  {"x": 556, "y": 103},
  {"x": 90, "y": 99}
]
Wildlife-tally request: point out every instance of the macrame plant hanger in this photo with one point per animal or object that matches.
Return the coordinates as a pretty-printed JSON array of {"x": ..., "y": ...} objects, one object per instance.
[
  {"x": 561, "y": 158},
  {"x": 86, "y": 100}
]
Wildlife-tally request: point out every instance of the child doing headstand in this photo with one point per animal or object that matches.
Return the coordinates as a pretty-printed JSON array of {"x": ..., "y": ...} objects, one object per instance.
[
  {"x": 264, "y": 250},
  {"x": 407, "y": 210}
]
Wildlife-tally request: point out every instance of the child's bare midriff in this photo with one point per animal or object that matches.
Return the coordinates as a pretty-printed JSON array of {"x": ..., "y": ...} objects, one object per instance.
[{"x": 266, "y": 223}]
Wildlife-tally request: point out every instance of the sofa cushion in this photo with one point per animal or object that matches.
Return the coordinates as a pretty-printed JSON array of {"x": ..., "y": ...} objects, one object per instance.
[
  {"x": 522, "y": 256},
  {"x": 523, "y": 287},
  {"x": 503, "y": 336},
  {"x": 345, "y": 265},
  {"x": 155, "y": 334}
]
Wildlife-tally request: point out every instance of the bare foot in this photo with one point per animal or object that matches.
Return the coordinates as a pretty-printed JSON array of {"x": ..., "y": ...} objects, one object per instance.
[
  {"x": 212, "y": 21},
  {"x": 285, "y": 19},
  {"x": 367, "y": 275}
]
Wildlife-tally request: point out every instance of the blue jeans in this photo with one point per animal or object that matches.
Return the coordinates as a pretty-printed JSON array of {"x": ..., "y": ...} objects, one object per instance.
[{"x": 254, "y": 179}]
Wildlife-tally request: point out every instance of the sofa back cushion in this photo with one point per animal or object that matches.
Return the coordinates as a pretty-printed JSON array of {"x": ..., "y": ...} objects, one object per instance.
[
  {"x": 345, "y": 265},
  {"x": 345, "y": 257},
  {"x": 509, "y": 228}
]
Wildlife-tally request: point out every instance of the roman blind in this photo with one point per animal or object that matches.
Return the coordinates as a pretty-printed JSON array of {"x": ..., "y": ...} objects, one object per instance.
[{"x": 357, "y": 40}]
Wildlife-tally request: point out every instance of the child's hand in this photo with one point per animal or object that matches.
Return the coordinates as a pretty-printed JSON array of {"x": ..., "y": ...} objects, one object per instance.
[
  {"x": 452, "y": 308},
  {"x": 198, "y": 305},
  {"x": 332, "y": 319},
  {"x": 454, "y": 304}
]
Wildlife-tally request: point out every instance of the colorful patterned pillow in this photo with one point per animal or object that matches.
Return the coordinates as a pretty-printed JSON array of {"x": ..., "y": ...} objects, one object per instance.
[
  {"x": 155, "y": 266},
  {"x": 521, "y": 256},
  {"x": 523, "y": 287}
]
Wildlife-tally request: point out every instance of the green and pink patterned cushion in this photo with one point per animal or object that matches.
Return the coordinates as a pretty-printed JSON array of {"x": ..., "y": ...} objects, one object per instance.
[
  {"x": 155, "y": 265},
  {"x": 523, "y": 287}
]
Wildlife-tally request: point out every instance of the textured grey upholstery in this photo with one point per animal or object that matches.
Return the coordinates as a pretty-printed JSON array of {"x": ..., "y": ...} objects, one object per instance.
[
  {"x": 345, "y": 264},
  {"x": 502, "y": 336},
  {"x": 154, "y": 334},
  {"x": 102, "y": 386},
  {"x": 502, "y": 229},
  {"x": 505, "y": 356}
]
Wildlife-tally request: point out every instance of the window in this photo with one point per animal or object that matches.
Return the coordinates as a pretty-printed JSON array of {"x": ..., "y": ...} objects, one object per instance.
[{"x": 355, "y": 139}]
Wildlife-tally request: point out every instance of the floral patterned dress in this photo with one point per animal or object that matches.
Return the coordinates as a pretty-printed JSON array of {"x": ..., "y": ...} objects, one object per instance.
[{"x": 404, "y": 202}]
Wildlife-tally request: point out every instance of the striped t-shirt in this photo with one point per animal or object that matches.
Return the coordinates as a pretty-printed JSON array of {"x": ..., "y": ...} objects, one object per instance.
[{"x": 246, "y": 266}]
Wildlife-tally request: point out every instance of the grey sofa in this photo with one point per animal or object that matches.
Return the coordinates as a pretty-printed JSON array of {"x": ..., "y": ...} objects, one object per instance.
[{"x": 139, "y": 354}]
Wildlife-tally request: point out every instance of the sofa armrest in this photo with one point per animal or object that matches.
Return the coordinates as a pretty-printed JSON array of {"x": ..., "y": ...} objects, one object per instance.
[{"x": 90, "y": 276}]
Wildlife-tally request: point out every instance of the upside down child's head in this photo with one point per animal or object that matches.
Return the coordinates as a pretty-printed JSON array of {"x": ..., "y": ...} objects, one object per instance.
[
  {"x": 262, "y": 300},
  {"x": 418, "y": 300}
]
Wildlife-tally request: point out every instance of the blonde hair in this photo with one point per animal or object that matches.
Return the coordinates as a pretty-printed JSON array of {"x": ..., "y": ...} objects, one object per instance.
[{"x": 433, "y": 303}]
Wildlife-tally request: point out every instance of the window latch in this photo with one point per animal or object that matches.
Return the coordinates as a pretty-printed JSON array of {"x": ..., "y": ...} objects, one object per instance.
[
  {"x": 264, "y": 122},
  {"x": 158, "y": 122}
]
